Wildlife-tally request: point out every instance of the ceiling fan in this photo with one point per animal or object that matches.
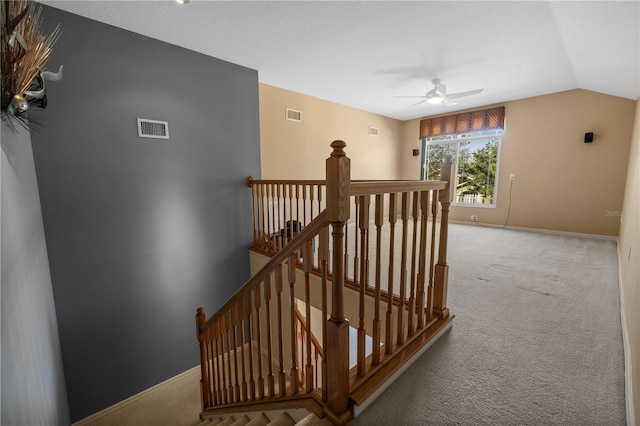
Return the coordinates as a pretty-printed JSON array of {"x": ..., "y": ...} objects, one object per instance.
[{"x": 438, "y": 95}]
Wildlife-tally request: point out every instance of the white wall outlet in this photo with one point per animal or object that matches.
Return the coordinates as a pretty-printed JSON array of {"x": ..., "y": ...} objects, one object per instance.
[
  {"x": 512, "y": 176},
  {"x": 474, "y": 217}
]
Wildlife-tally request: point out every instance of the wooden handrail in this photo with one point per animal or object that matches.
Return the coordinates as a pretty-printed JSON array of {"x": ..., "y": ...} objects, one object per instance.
[
  {"x": 251, "y": 181},
  {"x": 364, "y": 186},
  {"x": 313, "y": 228},
  {"x": 388, "y": 187},
  {"x": 314, "y": 340}
]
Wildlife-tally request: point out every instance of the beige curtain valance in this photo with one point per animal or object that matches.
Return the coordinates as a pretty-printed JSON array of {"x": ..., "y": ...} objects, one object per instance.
[{"x": 486, "y": 119}]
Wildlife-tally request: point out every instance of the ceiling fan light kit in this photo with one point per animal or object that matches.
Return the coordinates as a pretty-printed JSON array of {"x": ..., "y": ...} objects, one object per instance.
[{"x": 438, "y": 95}]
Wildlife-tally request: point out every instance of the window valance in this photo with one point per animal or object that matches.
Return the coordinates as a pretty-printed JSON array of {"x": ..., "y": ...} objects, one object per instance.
[{"x": 486, "y": 119}]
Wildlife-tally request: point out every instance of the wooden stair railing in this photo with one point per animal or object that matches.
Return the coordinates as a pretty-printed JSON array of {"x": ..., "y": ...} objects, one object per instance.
[
  {"x": 248, "y": 347},
  {"x": 391, "y": 286}
]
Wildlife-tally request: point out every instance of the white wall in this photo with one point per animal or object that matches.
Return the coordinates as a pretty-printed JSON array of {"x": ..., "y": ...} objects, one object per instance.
[
  {"x": 629, "y": 255},
  {"x": 33, "y": 385}
]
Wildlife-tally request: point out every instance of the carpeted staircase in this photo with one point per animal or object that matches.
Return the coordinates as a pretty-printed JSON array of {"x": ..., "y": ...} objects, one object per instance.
[{"x": 282, "y": 419}]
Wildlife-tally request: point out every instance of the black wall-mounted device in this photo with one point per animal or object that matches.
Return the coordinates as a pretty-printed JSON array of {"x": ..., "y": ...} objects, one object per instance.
[{"x": 588, "y": 137}]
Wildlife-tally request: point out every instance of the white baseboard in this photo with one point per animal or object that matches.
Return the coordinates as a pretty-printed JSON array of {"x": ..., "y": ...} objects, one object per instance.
[
  {"x": 132, "y": 399},
  {"x": 628, "y": 368},
  {"x": 539, "y": 230}
]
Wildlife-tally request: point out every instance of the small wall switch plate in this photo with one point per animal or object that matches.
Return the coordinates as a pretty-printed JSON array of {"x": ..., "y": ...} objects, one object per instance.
[
  {"x": 474, "y": 217},
  {"x": 512, "y": 176}
]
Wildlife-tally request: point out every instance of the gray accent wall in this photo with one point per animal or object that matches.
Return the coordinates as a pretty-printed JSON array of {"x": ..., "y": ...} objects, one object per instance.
[
  {"x": 33, "y": 385},
  {"x": 140, "y": 232}
]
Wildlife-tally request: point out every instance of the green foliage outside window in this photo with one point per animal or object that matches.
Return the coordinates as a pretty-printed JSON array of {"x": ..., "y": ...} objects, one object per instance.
[{"x": 476, "y": 166}]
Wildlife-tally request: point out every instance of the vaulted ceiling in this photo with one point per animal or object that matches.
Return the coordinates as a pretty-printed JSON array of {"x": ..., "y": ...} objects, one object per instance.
[{"x": 366, "y": 53}]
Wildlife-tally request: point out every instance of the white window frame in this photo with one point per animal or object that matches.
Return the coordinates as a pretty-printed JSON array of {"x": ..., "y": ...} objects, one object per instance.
[{"x": 457, "y": 139}]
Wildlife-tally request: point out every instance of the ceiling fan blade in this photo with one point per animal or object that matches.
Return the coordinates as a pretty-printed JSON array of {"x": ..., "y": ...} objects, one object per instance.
[
  {"x": 447, "y": 102},
  {"x": 417, "y": 103},
  {"x": 463, "y": 94}
]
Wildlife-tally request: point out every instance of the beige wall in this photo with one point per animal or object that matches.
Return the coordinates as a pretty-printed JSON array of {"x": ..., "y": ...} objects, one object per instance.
[
  {"x": 292, "y": 150},
  {"x": 629, "y": 255},
  {"x": 561, "y": 182}
]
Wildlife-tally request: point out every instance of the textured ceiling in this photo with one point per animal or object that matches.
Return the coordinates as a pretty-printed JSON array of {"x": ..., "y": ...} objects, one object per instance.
[{"x": 363, "y": 54}]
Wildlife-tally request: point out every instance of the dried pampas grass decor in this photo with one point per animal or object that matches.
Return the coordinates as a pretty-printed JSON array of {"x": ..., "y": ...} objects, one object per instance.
[{"x": 25, "y": 51}]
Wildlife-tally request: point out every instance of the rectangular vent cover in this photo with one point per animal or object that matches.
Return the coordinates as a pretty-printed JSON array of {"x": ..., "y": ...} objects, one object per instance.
[
  {"x": 294, "y": 115},
  {"x": 374, "y": 131},
  {"x": 153, "y": 129}
]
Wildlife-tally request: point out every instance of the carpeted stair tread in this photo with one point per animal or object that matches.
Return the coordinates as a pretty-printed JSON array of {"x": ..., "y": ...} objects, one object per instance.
[
  {"x": 242, "y": 421},
  {"x": 212, "y": 421},
  {"x": 283, "y": 420},
  {"x": 313, "y": 420},
  {"x": 227, "y": 422},
  {"x": 261, "y": 420}
]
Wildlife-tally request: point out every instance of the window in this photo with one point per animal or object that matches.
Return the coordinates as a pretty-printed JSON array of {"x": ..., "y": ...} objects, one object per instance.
[
  {"x": 475, "y": 158},
  {"x": 473, "y": 139}
]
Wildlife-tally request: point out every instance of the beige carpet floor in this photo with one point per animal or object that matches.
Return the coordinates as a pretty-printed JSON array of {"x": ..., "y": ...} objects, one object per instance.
[{"x": 536, "y": 339}]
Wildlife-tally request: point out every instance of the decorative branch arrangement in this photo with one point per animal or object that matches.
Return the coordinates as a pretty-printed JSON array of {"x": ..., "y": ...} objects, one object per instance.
[{"x": 25, "y": 51}]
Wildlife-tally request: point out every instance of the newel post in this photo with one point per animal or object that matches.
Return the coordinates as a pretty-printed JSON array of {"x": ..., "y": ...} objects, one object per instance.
[
  {"x": 338, "y": 169},
  {"x": 201, "y": 319},
  {"x": 441, "y": 267}
]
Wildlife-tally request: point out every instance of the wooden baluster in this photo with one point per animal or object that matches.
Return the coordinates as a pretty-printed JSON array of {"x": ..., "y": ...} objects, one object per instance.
[
  {"x": 279, "y": 238},
  {"x": 304, "y": 204},
  {"x": 308, "y": 259},
  {"x": 254, "y": 208},
  {"x": 219, "y": 348},
  {"x": 311, "y": 198},
  {"x": 292, "y": 311},
  {"x": 234, "y": 329},
  {"x": 364, "y": 202},
  {"x": 201, "y": 319},
  {"x": 250, "y": 338},
  {"x": 412, "y": 303},
  {"x": 258, "y": 334},
  {"x": 270, "y": 219},
  {"x": 298, "y": 205},
  {"x": 432, "y": 252},
  {"x": 323, "y": 254},
  {"x": 338, "y": 170},
  {"x": 290, "y": 221},
  {"x": 319, "y": 198},
  {"x": 393, "y": 216},
  {"x": 267, "y": 303},
  {"x": 241, "y": 324},
  {"x": 403, "y": 266},
  {"x": 281, "y": 376},
  {"x": 441, "y": 268},
  {"x": 422, "y": 273},
  {"x": 227, "y": 333},
  {"x": 356, "y": 259},
  {"x": 217, "y": 394},
  {"x": 209, "y": 363},
  {"x": 222, "y": 386},
  {"x": 259, "y": 218},
  {"x": 346, "y": 250},
  {"x": 379, "y": 219}
]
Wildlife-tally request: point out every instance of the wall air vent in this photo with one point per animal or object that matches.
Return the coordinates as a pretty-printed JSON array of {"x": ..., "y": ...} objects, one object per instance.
[
  {"x": 294, "y": 115},
  {"x": 153, "y": 129},
  {"x": 374, "y": 131}
]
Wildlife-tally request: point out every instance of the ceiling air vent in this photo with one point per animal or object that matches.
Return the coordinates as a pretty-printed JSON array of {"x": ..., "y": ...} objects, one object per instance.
[
  {"x": 153, "y": 129},
  {"x": 374, "y": 131},
  {"x": 294, "y": 115}
]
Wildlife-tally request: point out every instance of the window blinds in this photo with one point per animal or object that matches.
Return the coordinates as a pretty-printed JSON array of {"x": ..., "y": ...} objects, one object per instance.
[{"x": 486, "y": 119}]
